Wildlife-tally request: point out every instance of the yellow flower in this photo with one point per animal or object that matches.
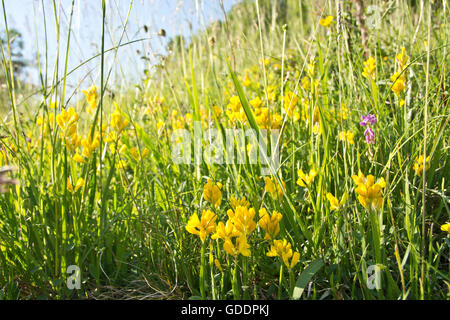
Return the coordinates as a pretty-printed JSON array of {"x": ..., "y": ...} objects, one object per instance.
[
  {"x": 294, "y": 260},
  {"x": 217, "y": 111},
  {"x": 218, "y": 265},
  {"x": 241, "y": 247},
  {"x": 369, "y": 68},
  {"x": 112, "y": 137},
  {"x": 247, "y": 82},
  {"x": 311, "y": 68},
  {"x": 446, "y": 227},
  {"x": 121, "y": 164},
  {"x": 270, "y": 224},
  {"x": 266, "y": 61},
  {"x": 274, "y": 190},
  {"x": 78, "y": 158},
  {"x": 360, "y": 178},
  {"x": 283, "y": 249},
  {"x": 265, "y": 120},
  {"x": 399, "y": 82},
  {"x": 370, "y": 194},
  {"x": 402, "y": 59},
  {"x": 67, "y": 121},
  {"x": 73, "y": 142},
  {"x": 235, "y": 104},
  {"x": 204, "y": 226},
  {"x": 398, "y": 87},
  {"x": 78, "y": 185},
  {"x": 91, "y": 97},
  {"x": 242, "y": 202},
  {"x": 159, "y": 124},
  {"x": 306, "y": 179},
  {"x": 344, "y": 114},
  {"x": 256, "y": 103},
  {"x": 242, "y": 219},
  {"x": 290, "y": 101},
  {"x": 418, "y": 164},
  {"x": 212, "y": 193},
  {"x": 334, "y": 202},
  {"x": 89, "y": 145},
  {"x": 326, "y": 21},
  {"x": 136, "y": 155},
  {"x": 346, "y": 136},
  {"x": 305, "y": 83},
  {"x": 118, "y": 122},
  {"x": 225, "y": 231}
]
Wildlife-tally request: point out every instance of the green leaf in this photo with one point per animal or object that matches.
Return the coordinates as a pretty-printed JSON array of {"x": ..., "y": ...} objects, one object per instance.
[
  {"x": 305, "y": 277},
  {"x": 244, "y": 102}
]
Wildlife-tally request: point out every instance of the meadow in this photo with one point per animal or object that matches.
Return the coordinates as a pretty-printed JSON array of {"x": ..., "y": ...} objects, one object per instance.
[{"x": 350, "y": 99}]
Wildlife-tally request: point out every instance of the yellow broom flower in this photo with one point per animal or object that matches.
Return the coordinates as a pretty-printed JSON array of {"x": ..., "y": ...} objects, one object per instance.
[
  {"x": 370, "y": 193},
  {"x": 446, "y": 227},
  {"x": 326, "y": 21},
  {"x": 212, "y": 193},
  {"x": 418, "y": 164},
  {"x": 270, "y": 224},
  {"x": 203, "y": 226},
  {"x": 283, "y": 249},
  {"x": 91, "y": 97},
  {"x": 306, "y": 179}
]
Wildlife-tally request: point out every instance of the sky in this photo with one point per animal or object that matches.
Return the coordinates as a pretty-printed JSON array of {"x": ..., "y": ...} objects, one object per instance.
[{"x": 35, "y": 19}]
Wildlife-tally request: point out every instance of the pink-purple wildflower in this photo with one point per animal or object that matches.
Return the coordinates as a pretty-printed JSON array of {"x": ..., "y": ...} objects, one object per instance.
[
  {"x": 369, "y": 119},
  {"x": 370, "y": 136}
]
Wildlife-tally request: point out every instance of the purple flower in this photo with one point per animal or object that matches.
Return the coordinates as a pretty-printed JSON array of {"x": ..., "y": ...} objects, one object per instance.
[
  {"x": 370, "y": 135},
  {"x": 369, "y": 119}
]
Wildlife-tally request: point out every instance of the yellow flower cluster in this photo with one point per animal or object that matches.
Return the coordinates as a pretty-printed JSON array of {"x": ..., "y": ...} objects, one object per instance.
[
  {"x": 335, "y": 204},
  {"x": 239, "y": 226},
  {"x": 290, "y": 102},
  {"x": 326, "y": 22},
  {"x": 212, "y": 193},
  {"x": 265, "y": 120},
  {"x": 92, "y": 98},
  {"x": 78, "y": 185},
  {"x": 399, "y": 78},
  {"x": 235, "y": 111},
  {"x": 270, "y": 224},
  {"x": 418, "y": 164},
  {"x": 370, "y": 193},
  {"x": 67, "y": 121},
  {"x": 283, "y": 249},
  {"x": 203, "y": 226},
  {"x": 242, "y": 202},
  {"x": 89, "y": 145},
  {"x": 347, "y": 136},
  {"x": 274, "y": 188},
  {"x": 369, "y": 68},
  {"x": 446, "y": 227},
  {"x": 118, "y": 122},
  {"x": 138, "y": 156},
  {"x": 306, "y": 179}
]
